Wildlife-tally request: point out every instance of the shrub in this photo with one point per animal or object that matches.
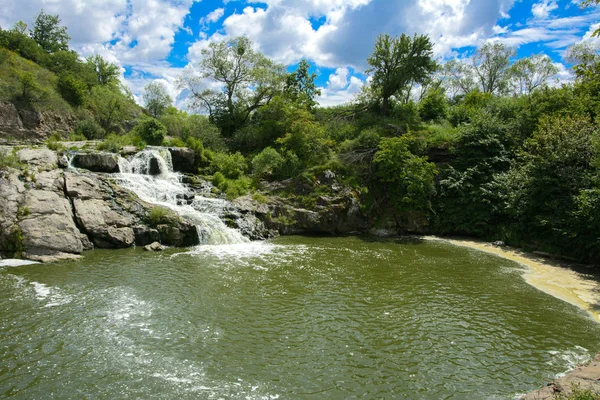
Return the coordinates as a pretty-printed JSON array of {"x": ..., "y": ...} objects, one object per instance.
[
  {"x": 266, "y": 162},
  {"x": 232, "y": 166},
  {"x": 72, "y": 89},
  {"x": 90, "y": 129},
  {"x": 151, "y": 130},
  {"x": 8, "y": 160}
]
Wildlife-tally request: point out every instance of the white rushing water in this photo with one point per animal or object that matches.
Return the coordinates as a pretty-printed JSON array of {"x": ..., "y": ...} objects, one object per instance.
[{"x": 165, "y": 188}]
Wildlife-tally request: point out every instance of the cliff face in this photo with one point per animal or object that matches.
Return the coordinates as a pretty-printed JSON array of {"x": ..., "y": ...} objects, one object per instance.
[{"x": 32, "y": 126}]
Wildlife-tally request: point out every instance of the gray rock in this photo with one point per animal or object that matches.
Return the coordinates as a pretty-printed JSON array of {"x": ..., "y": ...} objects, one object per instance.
[
  {"x": 145, "y": 235},
  {"x": 154, "y": 247},
  {"x": 499, "y": 243},
  {"x": 184, "y": 159},
  {"x": 41, "y": 159},
  {"x": 49, "y": 227},
  {"x": 33, "y": 126},
  {"x": 155, "y": 167},
  {"x": 96, "y": 162}
]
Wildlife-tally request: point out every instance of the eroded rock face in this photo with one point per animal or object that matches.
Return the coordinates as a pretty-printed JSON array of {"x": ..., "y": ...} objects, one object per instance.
[
  {"x": 96, "y": 162},
  {"x": 41, "y": 159},
  {"x": 32, "y": 126}
]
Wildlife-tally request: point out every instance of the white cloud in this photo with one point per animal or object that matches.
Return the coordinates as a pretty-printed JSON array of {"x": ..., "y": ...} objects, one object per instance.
[
  {"x": 212, "y": 17},
  {"x": 339, "y": 88},
  {"x": 543, "y": 9}
]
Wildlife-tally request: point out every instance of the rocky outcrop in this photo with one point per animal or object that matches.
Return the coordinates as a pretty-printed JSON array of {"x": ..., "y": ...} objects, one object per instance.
[
  {"x": 96, "y": 162},
  {"x": 585, "y": 377},
  {"x": 48, "y": 214},
  {"x": 337, "y": 214},
  {"x": 32, "y": 126},
  {"x": 184, "y": 160}
]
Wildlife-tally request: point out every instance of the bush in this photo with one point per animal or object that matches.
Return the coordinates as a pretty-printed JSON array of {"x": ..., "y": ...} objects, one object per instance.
[
  {"x": 73, "y": 90},
  {"x": 232, "y": 166},
  {"x": 90, "y": 129},
  {"x": 434, "y": 106},
  {"x": 266, "y": 162},
  {"x": 151, "y": 130},
  {"x": 8, "y": 160}
]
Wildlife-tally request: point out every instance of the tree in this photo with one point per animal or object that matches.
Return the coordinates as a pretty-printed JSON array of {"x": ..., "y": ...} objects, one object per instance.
[
  {"x": 20, "y": 27},
  {"x": 407, "y": 179},
  {"x": 246, "y": 80},
  {"x": 156, "y": 99},
  {"x": 104, "y": 72},
  {"x": 530, "y": 73},
  {"x": 48, "y": 33},
  {"x": 300, "y": 86},
  {"x": 110, "y": 106},
  {"x": 459, "y": 78},
  {"x": 490, "y": 63},
  {"x": 589, "y": 3},
  {"x": 397, "y": 61}
]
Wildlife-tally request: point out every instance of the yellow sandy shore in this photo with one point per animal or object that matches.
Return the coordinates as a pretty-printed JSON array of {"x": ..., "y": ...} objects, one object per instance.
[{"x": 545, "y": 275}]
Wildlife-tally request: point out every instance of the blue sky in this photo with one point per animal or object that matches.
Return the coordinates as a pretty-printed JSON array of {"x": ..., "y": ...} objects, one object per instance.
[{"x": 158, "y": 39}]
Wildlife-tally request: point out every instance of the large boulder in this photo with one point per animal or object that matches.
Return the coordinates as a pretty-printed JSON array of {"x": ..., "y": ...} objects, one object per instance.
[
  {"x": 40, "y": 159},
  {"x": 184, "y": 159},
  {"x": 96, "y": 162},
  {"x": 47, "y": 227}
]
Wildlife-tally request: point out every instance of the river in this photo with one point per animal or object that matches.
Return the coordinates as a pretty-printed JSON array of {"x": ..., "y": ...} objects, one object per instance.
[{"x": 290, "y": 318}]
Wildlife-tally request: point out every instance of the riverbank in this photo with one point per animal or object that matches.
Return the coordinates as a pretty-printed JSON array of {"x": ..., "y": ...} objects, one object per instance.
[
  {"x": 554, "y": 278},
  {"x": 561, "y": 281}
]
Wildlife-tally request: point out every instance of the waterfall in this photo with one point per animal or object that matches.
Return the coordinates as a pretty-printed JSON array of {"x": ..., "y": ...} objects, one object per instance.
[{"x": 149, "y": 174}]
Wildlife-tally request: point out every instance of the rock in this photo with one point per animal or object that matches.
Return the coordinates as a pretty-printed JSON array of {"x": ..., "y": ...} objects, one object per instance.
[
  {"x": 63, "y": 162},
  {"x": 33, "y": 126},
  {"x": 154, "y": 247},
  {"x": 178, "y": 234},
  {"x": 105, "y": 227},
  {"x": 184, "y": 160},
  {"x": 154, "y": 166},
  {"x": 145, "y": 235},
  {"x": 96, "y": 162},
  {"x": 41, "y": 159},
  {"x": 499, "y": 243},
  {"x": 48, "y": 228},
  {"x": 128, "y": 150},
  {"x": 82, "y": 187}
]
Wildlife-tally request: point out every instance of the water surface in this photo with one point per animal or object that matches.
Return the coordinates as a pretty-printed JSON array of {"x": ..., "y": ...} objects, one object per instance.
[{"x": 293, "y": 318}]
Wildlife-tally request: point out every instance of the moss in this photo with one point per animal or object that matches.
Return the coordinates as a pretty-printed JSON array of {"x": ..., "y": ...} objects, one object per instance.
[
  {"x": 158, "y": 215},
  {"x": 580, "y": 394},
  {"x": 13, "y": 244}
]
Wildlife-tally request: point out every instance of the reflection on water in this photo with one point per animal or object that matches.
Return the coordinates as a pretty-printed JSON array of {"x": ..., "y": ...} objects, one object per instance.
[{"x": 293, "y": 318}]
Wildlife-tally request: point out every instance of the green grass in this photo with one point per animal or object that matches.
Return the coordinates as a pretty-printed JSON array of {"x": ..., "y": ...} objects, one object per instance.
[
  {"x": 14, "y": 70},
  {"x": 580, "y": 394}
]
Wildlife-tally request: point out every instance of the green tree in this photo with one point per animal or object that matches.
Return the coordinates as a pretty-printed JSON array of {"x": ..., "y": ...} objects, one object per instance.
[
  {"x": 72, "y": 89},
  {"x": 104, "y": 73},
  {"x": 459, "y": 78},
  {"x": 397, "y": 61},
  {"x": 156, "y": 99},
  {"x": 48, "y": 33},
  {"x": 433, "y": 106},
  {"x": 530, "y": 73},
  {"x": 490, "y": 63},
  {"x": 267, "y": 162},
  {"x": 248, "y": 80},
  {"x": 110, "y": 106},
  {"x": 151, "y": 130},
  {"x": 407, "y": 179},
  {"x": 20, "y": 27},
  {"x": 300, "y": 86}
]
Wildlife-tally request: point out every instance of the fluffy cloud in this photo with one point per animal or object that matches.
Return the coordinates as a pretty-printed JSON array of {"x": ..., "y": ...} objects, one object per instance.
[
  {"x": 339, "y": 88},
  {"x": 542, "y": 9}
]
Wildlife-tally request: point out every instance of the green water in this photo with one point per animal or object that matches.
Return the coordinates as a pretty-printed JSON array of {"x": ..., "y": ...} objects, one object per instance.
[{"x": 294, "y": 318}]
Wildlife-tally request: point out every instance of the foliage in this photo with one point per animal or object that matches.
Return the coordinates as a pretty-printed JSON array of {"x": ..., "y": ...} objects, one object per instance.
[
  {"x": 157, "y": 216},
  {"x": 577, "y": 393},
  {"x": 490, "y": 64},
  {"x": 407, "y": 179},
  {"x": 248, "y": 81},
  {"x": 89, "y": 129},
  {"x": 48, "y": 33},
  {"x": 434, "y": 106},
  {"x": 151, "y": 130},
  {"x": 397, "y": 61},
  {"x": 232, "y": 166},
  {"x": 267, "y": 162},
  {"x": 530, "y": 73},
  {"x": 114, "y": 143},
  {"x": 300, "y": 86},
  {"x": 72, "y": 89},
  {"x": 156, "y": 99},
  {"x": 104, "y": 73},
  {"x": 110, "y": 106},
  {"x": 8, "y": 160}
]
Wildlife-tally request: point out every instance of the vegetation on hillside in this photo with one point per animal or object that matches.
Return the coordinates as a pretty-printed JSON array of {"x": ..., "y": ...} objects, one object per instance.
[{"x": 486, "y": 146}]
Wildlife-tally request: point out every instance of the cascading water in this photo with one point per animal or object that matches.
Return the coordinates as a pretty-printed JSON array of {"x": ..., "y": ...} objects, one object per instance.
[{"x": 149, "y": 174}]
